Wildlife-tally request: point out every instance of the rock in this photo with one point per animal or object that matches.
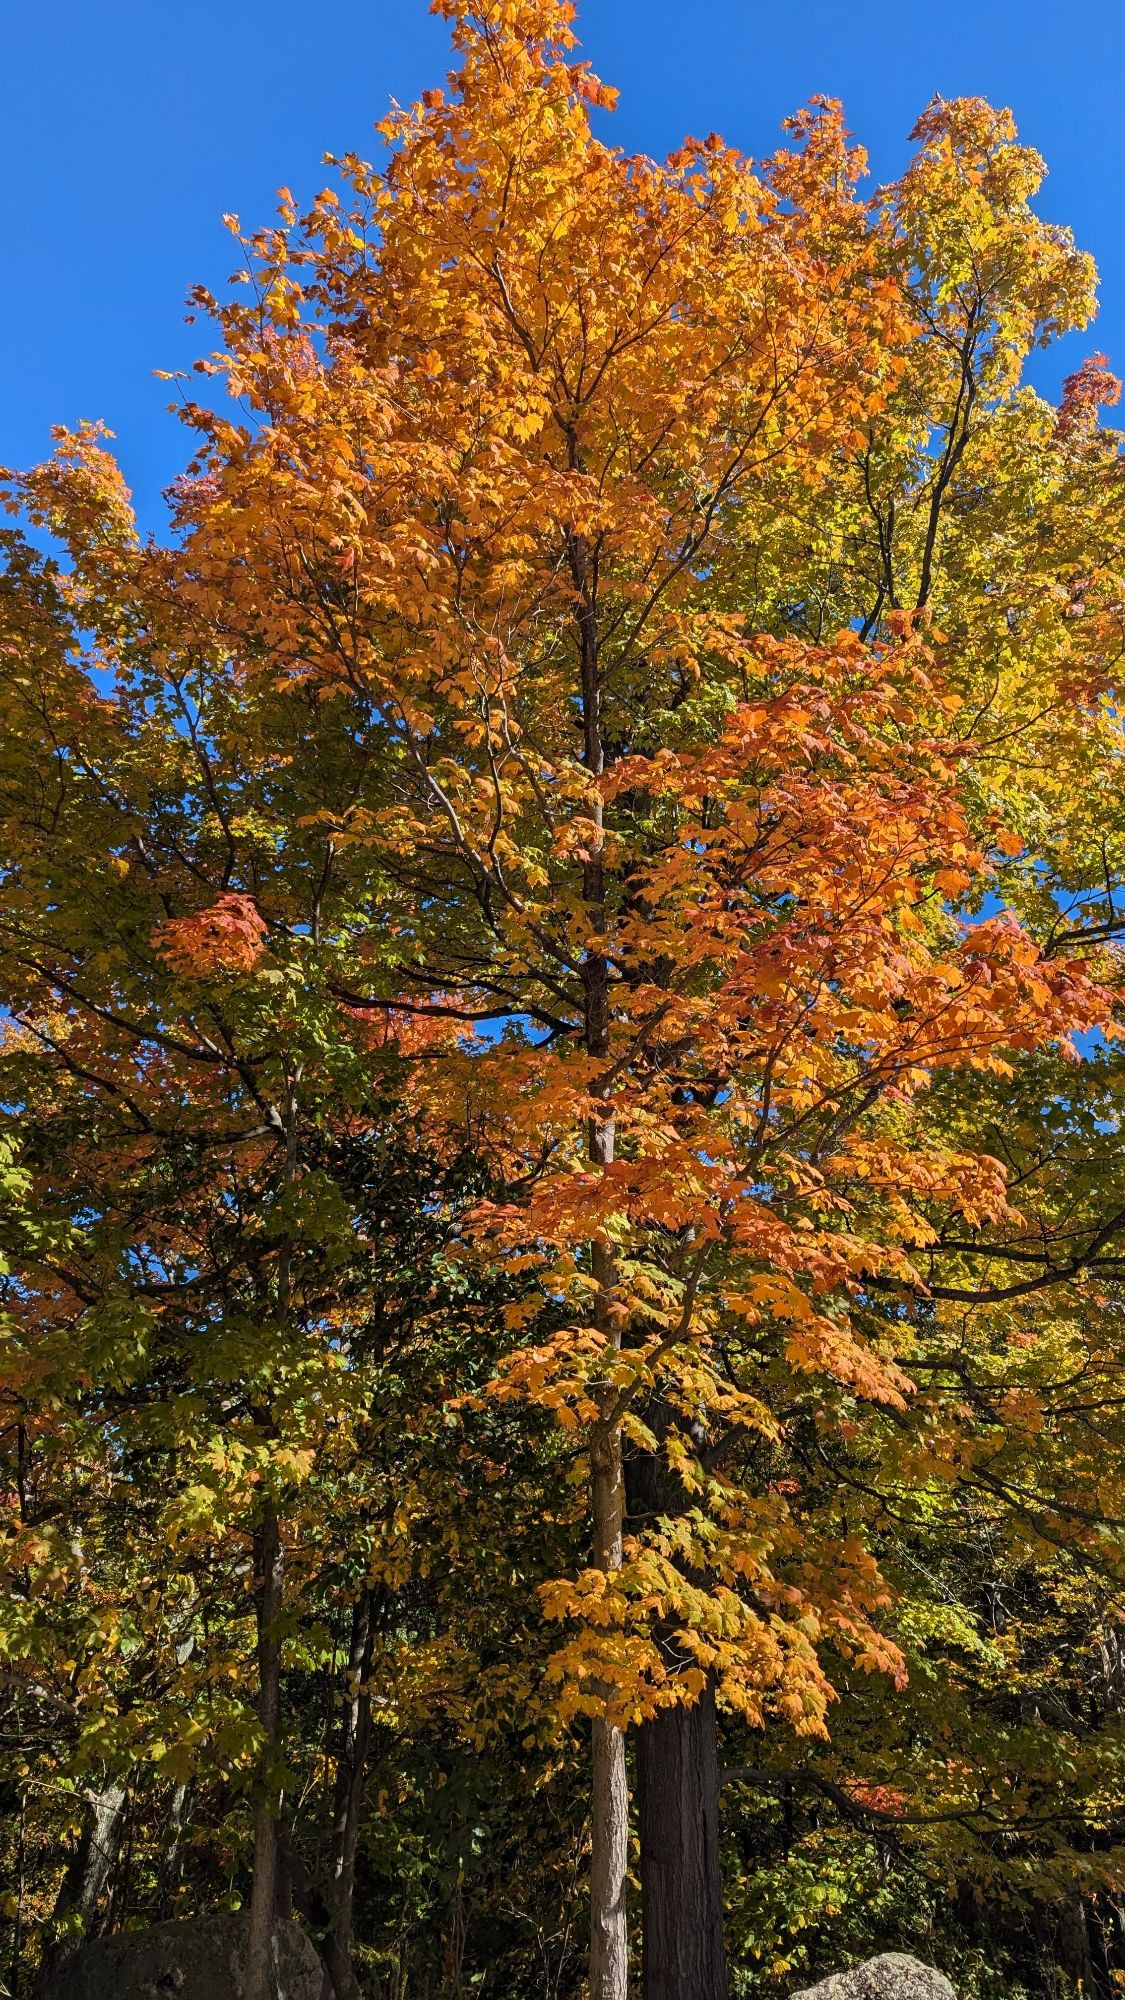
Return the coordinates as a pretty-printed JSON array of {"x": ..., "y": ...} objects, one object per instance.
[
  {"x": 203, "y": 1959},
  {"x": 892, "y": 1976}
]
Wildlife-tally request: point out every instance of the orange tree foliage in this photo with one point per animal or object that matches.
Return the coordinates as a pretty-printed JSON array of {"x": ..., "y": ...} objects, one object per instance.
[{"x": 513, "y": 417}]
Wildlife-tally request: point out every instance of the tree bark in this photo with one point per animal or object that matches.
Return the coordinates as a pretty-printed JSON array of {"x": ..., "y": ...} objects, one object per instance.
[
  {"x": 21, "y": 1885},
  {"x": 270, "y": 1560},
  {"x": 677, "y": 1810},
  {"x": 169, "y": 1873},
  {"x": 263, "y": 1898},
  {"x": 1072, "y": 1944},
  {"x": 355, "y": 1736},
  {"x": 609, "y": 1790},
  {"x": 681, "y": 1885},
  {"x": 84, "y": 1882},
  {"x": 609, "y": 1802}
]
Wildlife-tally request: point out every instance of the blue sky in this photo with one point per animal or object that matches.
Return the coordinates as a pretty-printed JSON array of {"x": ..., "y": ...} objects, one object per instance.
[{"x": 128, "y": 126}]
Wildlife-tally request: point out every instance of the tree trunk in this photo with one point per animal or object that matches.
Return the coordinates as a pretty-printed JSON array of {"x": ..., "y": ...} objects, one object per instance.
[
  {"x": 21, "y": 1886},
  {"x": 270, "y": 1560},
  {"x": 677, "y": 1806},
  {"x": 1072, "y": 1944},
  {"x": 351, "y": 1760},
  {"x": 169, "y": 1872},
  {"x": 681, "y": 1886},
  {"x": 263, "y": 1898},
  {"x": 84, "y": 1882},
  {"x": 609, "y": 1956},
  {"x": 609, "y": 1800},
  {"x": 609, "y": 1790}
]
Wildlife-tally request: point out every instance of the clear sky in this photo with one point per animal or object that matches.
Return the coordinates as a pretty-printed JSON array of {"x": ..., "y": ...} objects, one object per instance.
[{"x": 127, "y": 127}]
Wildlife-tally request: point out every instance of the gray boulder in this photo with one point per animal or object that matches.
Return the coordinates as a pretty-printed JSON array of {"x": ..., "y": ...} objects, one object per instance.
[
  {"x": 204, "y": 1959},
  {"x": 892, "y": 1976}
]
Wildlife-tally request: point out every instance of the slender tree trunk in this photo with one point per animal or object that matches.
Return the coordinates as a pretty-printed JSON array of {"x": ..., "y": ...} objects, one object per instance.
[
  {"x": 355, "y": 1736},
  {"x": 117, "y": 1910},
  {"x": 609, "y": 1956},
  {"x": 21, "y": 1885},
  {"x": 270, "y": 1561},
  {"x": 169, "y": 1875},
  {"x": 263, "y": 1899},
  {"x": 609, "y": 1790}
]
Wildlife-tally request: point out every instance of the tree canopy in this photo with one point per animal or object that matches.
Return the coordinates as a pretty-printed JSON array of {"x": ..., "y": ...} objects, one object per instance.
[{"x": 562, "y": 1199}]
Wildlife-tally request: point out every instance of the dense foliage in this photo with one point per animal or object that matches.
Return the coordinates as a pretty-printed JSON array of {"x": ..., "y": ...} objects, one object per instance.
[{"x": 562, "y": 1198}]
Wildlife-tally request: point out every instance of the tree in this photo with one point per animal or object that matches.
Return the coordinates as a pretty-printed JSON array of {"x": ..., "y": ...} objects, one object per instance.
[
  {"x": 555, "y": 644},
  {"x": 519, "y": 421}
]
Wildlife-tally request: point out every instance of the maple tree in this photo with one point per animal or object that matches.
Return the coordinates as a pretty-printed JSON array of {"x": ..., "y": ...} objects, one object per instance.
[
  {"x": 632, "y": 621},
  {"x": 548, "y": 585}
]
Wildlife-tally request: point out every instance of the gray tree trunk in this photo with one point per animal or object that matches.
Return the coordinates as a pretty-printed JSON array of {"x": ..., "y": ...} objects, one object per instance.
[
  {"x": 263, "y": 1897},
  {"x": 351, "y": 1760},
  {"x": 609, "y": 1790},
  {"x": 85, "y": 1880}
]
